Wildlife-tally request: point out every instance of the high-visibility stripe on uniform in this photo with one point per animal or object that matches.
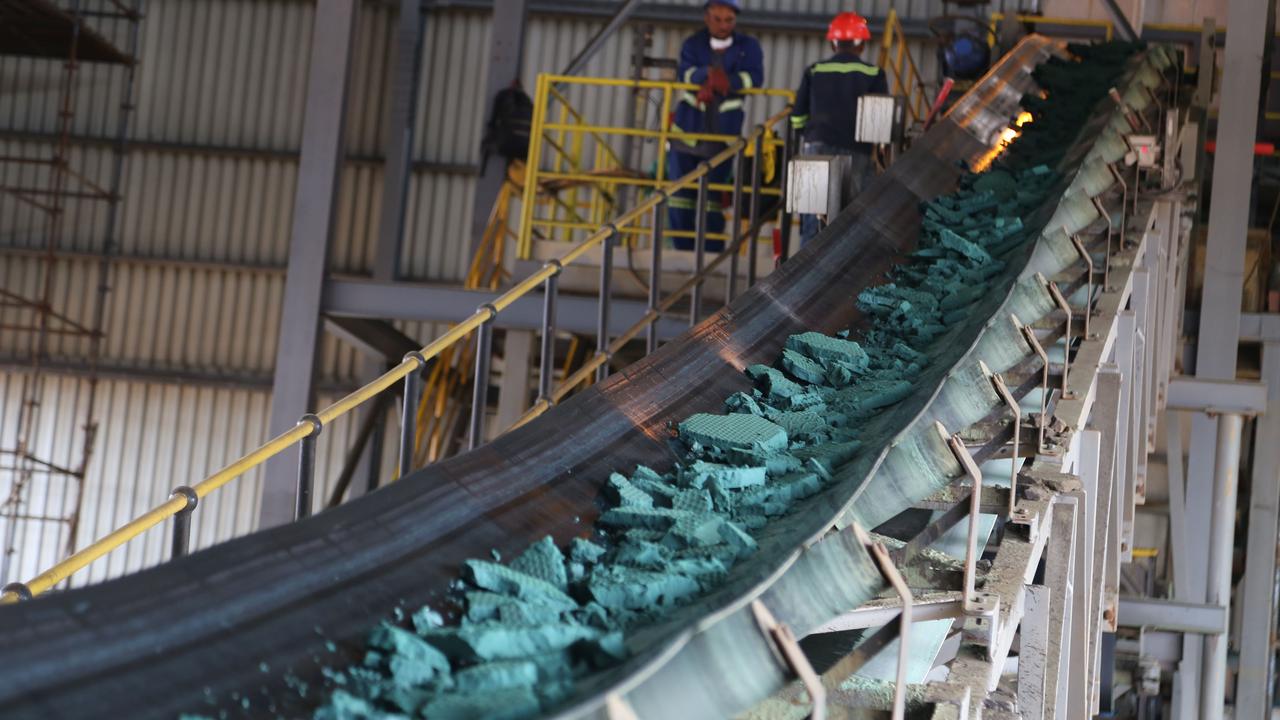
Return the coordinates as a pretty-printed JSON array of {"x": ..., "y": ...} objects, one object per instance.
[
  {"x": 680, "y": 202},
  {"x": 799, "y": 121},
  {"x": 746, "y": 80},
  {"x": 847, "y": 67},
  {"x": 688, "y": 74},
  {"x": 726, "y": 106},
  {"x": 676, "y": 128}
]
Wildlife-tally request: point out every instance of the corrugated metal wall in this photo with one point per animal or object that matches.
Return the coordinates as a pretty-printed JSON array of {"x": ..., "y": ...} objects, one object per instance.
[
  {"x": 204, "y": 230},
  {"x": 153, "y": 437}
]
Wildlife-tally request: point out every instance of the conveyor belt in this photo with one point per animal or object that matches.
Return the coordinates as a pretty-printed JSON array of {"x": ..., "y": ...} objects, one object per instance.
[{"x": 231, "y": 623}]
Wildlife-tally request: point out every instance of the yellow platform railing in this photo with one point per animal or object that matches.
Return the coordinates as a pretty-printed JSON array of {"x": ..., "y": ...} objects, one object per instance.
[
  {"x": 897, "y": 62},
  {"x": 576, "y": 172},
  {"x": 181, "y": 501}
]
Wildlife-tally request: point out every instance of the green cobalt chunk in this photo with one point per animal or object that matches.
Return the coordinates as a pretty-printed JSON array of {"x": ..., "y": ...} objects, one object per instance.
[
  {"x": 482, "y": 606},
  {"x": 642, "y": 554},
  {"x": 776, "y": 386},
  {"x": 626, "y": 493},
  {"x": 413, "y": 661},
  {"x": 345, "y": 706},
  {"x": 738, "y": 539},
  {"x": 502, "y": 641},
  {"x": 543, "y": 560},
  {"x": 823, "y": 347},
  {"x": 584, "y": 551},
  {"x": 733, "y": 432},
  {"x": 639, "y": 518},
  {"x": 632, "y": 589},
  {"x": 726, "y": 477},
  {"x": 695, "y": 530},
  {"x": 500, "y": 579},
  {"x": 802, "y": 368},
  {"x": 509, "y": 704},
  {"x": 497, "y": 676}
]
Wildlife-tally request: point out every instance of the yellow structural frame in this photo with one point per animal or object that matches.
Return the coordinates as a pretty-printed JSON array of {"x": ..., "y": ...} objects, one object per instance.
[{"x": 555, "y": 150}]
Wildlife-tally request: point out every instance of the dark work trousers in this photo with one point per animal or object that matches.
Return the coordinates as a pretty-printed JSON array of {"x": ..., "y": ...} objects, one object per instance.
[{"x": 681, "y": 208}]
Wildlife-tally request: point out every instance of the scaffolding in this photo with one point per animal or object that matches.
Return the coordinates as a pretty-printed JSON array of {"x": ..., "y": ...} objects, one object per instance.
[{"x": 72, "y": 32}]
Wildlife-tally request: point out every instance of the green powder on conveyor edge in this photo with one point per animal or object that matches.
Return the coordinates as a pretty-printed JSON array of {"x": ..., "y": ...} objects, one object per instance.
[{"x": 527, "y": 633}]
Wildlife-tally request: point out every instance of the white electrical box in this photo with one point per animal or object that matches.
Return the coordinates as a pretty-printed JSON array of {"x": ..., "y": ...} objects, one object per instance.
[
  {"x": 879, "y": 119},
  {"x": 816, "y": 184},
  {"x": 1145, "y": 150}
]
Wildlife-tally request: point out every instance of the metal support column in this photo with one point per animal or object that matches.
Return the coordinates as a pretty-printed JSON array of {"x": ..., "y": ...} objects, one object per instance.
[
  {"x": 699, "y": 250},
  {"x": 398, "y": 138},
  {"x": 624, "y": 11},
  {"x": 1221, "y": 542},
  {"x": 506, "y": 53},
  {"x": 1218, "y": 345},
  {"x": 606, "y": 295},
  {"x": 319, "y": 171},
  {"x": 1232, "y": 191},
  {"x": 1253, "y": 683},
  {"x": 1121, "y": 22},
  {"x": 547, "y": 353},
  {"x": 480, "y": 388},
  {"x": 655, "y": 274}
]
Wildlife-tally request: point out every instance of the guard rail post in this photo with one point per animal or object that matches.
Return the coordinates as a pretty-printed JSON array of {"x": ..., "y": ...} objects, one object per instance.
[
  {"x": 606, "y": 291},
  {"x": 18, "y": 590},
  {"x": 757, "y": 174},
  {"x": 307, "y": 465},
  {"x": 699, "y": 245},
  {"x": 182, "y": 522},
  {"x": 409, "y": 411},
  {"x": 788, "y": 143},
  {"x": 735, "y": 236},
  {"x": 480, "y": 389},
  {"x": 655, "y": 272},
  {"x": 547, "y": 358}
]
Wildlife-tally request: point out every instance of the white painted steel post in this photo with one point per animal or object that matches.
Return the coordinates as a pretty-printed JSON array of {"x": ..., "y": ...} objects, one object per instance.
[
  {"x": 1225, "y": 477},
  {"x": 1253, "y": 682}
]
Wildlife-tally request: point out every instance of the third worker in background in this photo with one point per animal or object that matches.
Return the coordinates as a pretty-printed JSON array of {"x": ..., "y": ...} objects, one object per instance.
[
  {"x": 722, "y": 63},
  {"x": 826, "y": 109}
]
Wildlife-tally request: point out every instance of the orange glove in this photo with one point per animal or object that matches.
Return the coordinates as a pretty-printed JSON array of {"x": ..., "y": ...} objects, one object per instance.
[
  {"x": 718, "y": 81},
  {"x": 706, "y": 95}
]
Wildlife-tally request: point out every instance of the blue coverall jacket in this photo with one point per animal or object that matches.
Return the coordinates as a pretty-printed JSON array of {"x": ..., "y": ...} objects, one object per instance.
[{"x": 743, "y": 62}]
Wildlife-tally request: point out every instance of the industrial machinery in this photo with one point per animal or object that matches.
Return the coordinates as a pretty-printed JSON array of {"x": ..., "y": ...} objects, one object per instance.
[{"x": 1026, "y": 437}]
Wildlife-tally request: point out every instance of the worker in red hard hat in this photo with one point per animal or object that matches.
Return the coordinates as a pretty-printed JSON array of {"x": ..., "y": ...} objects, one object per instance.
[
  {"x": 723, "y": 63},
  {"x": 826, "y": 108}
]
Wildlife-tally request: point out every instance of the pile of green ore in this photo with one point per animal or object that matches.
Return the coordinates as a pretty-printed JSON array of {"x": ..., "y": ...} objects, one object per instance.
[{"x": 534, "y": 628}]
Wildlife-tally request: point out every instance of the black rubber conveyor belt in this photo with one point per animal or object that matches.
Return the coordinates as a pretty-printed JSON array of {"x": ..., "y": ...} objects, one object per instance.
[{"x": 229, "y": 621}]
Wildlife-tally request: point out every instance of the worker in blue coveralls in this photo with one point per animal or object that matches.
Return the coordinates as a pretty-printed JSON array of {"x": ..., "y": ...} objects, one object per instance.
[
  {"x": 723, "y": 63},
  {"x": 826, "y": 107}
]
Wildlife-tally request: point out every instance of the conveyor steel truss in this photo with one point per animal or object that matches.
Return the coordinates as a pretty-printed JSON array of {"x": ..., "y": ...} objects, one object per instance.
[{"x": 204, "y": 626}]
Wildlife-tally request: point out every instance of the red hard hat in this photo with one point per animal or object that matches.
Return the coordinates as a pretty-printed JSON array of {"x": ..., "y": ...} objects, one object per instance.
[{"x": 849, "y": 26}]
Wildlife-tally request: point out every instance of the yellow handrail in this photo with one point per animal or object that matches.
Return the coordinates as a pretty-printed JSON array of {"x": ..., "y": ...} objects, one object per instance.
[
  {"x": 602, "y": 185},
  {"x": 1106, "y": 25},
  {"x": 175, "y": 504},
  {"x": 896, "y": 59}
]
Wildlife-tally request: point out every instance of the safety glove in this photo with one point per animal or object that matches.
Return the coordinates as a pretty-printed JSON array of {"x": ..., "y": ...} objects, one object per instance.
[{"x": 718, "y": 81}]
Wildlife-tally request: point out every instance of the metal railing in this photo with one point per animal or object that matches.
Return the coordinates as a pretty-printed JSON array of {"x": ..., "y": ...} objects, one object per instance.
[
  {"x": 578, "y": 176},
  {"x": 184, "y": 500},
  {"x": 896, "y": 60}
]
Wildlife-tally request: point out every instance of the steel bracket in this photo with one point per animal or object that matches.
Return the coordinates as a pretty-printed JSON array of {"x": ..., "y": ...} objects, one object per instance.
[{"x": 787, "y": 649}]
